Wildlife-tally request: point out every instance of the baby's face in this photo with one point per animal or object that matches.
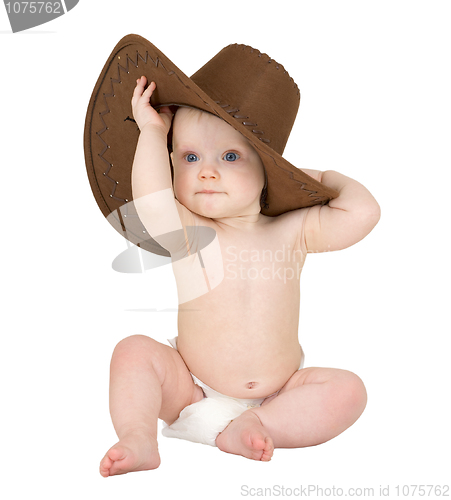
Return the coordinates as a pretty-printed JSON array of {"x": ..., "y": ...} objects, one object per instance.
[{"x": 209, "y": 154}]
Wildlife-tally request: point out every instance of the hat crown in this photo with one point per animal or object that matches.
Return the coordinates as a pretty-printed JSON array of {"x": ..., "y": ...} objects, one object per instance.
[{"x": 255, "y": 90}]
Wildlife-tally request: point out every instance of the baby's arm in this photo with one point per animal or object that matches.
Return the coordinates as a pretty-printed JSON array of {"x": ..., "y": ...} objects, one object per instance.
[
  {"x": 153, "y": 194},
  {"x": 162, "y": 215},
  {"x": 345, "y": 220},
  {"x": 151, "y": 171}
]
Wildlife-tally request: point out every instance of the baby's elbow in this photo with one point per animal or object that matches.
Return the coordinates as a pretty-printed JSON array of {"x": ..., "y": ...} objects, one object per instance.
[
  {"x": 370, "y": 216},
  {"x": 374, "y": 213},
  {"x": 370, "y": 210}
]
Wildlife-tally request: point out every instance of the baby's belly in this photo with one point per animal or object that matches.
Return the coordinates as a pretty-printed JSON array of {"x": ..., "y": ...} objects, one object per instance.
[
  {"x": 247, "y": 370},
  {"x": 241, "y": 338}
]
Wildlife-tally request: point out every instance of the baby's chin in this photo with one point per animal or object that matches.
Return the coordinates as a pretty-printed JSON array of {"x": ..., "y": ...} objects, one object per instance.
[{"x": 212, "y": 212}]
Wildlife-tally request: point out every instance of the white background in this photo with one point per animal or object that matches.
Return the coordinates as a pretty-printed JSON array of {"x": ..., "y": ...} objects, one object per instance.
[{"x": 375, "y": 82}]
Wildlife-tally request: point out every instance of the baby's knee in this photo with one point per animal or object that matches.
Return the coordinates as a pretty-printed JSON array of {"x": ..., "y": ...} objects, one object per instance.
[
  {"x": 136, "y": 346},
  {"x": 143, "y": 353},
  {"x": 353, "y": 391},
  {"x": 133, "y": 342}
]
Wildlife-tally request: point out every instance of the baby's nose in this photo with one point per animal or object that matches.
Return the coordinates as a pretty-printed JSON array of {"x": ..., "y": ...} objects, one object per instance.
[{"x": 208, "y": 171}]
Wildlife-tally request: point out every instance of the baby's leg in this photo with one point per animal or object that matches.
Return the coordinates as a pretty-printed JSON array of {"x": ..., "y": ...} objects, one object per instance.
[
  {"x": 148, "y": 380},
  {"x": 315, "y": 405}
]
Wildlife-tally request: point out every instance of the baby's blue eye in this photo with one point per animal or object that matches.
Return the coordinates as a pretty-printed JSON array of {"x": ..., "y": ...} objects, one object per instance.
[
  {"x": 191, "y": 157},
  {"x": 231, "y": 157}
]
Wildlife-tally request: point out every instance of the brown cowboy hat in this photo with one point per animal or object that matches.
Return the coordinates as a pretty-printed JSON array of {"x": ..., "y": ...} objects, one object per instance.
[{"x": 251, "y": 92}]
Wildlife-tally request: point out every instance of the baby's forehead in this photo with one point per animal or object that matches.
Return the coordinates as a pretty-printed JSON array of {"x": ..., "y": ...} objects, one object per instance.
[
  {"x": 189, "y": 121},
  {"x": 187, "y": 114}
]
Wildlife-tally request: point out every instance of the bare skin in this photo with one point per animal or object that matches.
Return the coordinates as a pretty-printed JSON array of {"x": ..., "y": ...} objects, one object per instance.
[
  {"x": 133, "y": 453},
  {"x": 241, "y": 337},
  {"x": 148, "y": 380}
]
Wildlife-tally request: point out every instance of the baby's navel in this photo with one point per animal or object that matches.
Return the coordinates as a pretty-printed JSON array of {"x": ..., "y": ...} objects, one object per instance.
[{"x": 251, "y": 385}]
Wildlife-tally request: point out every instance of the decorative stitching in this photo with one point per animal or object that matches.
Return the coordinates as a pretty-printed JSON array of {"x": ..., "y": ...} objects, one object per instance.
[
  {"x": 241, "y": 117},
  {"x": 290, "y": 174},
  {"x": 125, "y": 69}
]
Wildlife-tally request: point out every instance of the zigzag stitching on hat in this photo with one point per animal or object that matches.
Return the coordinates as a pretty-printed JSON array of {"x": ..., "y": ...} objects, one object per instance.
[
  {"x": 105, "y": 145},
  {"x": 158, "y": 63},
  {"x": 302, "y": 184},
  {"x": 107, "y": 110},
  {"x": 242, "y": 117}
]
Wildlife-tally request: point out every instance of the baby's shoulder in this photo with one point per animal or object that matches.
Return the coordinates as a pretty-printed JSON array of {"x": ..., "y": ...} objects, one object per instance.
[
  {"x": 289, "y": 226},
  {"x": 290, "y": 220}
]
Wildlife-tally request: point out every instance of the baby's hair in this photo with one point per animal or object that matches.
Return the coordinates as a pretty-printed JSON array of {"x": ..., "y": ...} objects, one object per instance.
[
  {"x": 264, "y": 194},
  {"x": 192, "y": 111}
]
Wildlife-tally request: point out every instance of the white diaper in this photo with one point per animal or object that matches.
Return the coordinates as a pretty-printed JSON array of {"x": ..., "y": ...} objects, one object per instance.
[{"x": 201, "y": 422}]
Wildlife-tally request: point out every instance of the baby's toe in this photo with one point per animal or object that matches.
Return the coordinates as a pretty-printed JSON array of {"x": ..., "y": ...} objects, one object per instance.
[
  {"x": 122, "y": 460},
  {"x": 105, "y": 466},
  {"x": 261, "y": 447},
  {"x": 116, "y": 461},
  {"x": 117, "y": 453},
  {"x": 268, "y": 450}
]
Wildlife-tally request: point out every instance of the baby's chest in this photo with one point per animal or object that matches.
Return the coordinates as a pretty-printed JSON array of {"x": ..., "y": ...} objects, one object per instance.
[{"x": 252, "y": 266}]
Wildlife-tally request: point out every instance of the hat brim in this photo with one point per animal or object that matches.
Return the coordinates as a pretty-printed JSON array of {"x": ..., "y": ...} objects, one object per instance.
[{"x": 111, "y": 135}]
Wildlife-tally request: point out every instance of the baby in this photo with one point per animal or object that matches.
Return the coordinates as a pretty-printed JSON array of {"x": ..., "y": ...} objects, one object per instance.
[{"x": 238, "y": 340}]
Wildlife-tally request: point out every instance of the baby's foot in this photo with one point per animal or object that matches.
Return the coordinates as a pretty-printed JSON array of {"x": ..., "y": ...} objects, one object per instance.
[
  {"x": 134, "y": 452},
  {"x": 246, "y": 436}
]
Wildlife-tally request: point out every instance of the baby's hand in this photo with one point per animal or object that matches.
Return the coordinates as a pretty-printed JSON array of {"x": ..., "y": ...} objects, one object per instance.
[{"x": 143, "y": 112}]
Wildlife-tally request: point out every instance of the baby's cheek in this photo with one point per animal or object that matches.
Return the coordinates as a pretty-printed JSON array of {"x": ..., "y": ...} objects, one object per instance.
[
  {"x": 177, "y": 184},
  {"x": 181, "y": 191},
  {"x": 250, "y": 189}
]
